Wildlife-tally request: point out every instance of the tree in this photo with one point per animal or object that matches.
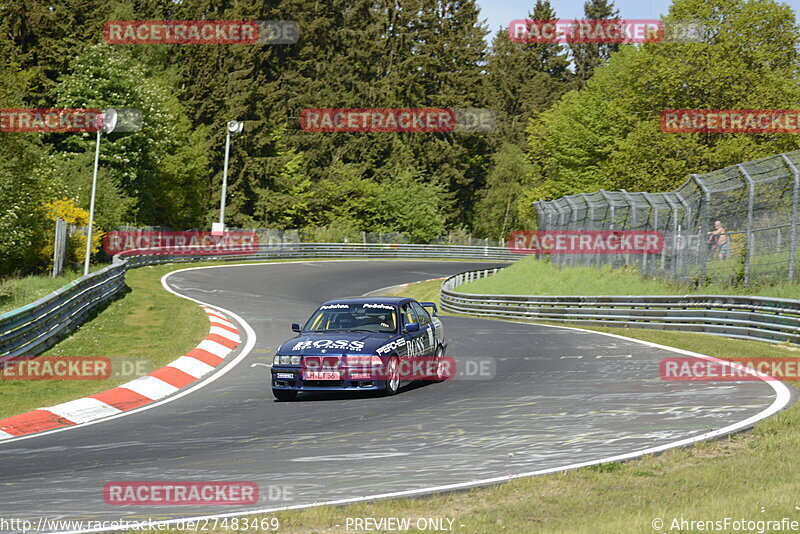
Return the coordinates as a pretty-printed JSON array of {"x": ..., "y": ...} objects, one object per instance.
[
  {"x": 586, "y": 57},
  {"x": 607, "y": 135},
  {"x": 159, "y": 173},
  {"x": 23, "y": 189},
  {"x": 550, "y": 58},
  {"x": 516, "y": 90},
  {"x": 497, "y": 212}
]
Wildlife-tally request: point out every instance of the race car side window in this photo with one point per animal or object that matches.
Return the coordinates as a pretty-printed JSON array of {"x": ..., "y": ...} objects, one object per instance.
[
  {"x": 408, "y": 314},
  {"x": 422, "y": 314}
]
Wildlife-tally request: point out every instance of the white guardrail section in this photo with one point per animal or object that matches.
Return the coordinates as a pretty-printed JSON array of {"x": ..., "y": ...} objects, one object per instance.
[
  {"x": 32, "y": 329},
  {"x": 768, "y": 319}
]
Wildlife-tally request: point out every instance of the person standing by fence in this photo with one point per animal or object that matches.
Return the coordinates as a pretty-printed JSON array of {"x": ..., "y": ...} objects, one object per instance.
[{"x": 718, "y": 239}]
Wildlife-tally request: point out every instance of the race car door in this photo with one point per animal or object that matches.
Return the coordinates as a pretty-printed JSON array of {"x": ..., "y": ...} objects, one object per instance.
[
  {"x": 415, "y": 341},
  {"x": 426, "y": 326}
]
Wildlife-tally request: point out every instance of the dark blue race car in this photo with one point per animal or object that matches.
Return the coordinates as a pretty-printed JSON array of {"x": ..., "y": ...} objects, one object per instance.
[{"x": 358, "y": 344}]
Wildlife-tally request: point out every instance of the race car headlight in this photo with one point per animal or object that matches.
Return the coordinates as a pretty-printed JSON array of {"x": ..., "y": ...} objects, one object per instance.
[
  {"x": 295, "y": 360},
  {"x": 281, "y": 360},
  {"x": 276, "y": 360}
]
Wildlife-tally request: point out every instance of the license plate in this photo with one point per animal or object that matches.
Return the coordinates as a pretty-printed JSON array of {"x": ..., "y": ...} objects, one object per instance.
[
  {"x": 321, "y": 375},
  {"x": 284, "y": 375}
]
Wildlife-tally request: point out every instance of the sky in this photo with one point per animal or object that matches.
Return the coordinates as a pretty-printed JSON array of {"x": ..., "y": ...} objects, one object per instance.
[{"x": 501, "y": 12}]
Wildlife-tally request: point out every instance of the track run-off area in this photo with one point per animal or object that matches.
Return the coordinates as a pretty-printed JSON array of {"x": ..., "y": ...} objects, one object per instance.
[{"x": 559, "y": 398}]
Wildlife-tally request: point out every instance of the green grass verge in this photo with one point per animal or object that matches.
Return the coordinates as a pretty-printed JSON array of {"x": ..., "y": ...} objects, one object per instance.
[
  {"x": 17, "y": 292},
  {"x": 751, "y": 475},
  {"x": 530, "y": 276}
]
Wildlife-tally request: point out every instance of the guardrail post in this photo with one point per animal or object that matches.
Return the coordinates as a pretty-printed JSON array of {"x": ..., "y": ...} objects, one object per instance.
[
  {"x": 750, "y": 199},
  {"x": 793, "y": 237}
]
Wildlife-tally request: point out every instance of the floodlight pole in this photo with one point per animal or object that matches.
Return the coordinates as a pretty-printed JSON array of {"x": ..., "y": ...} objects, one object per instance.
[
  {"x": 233, "y": 128},
  {"x": 225, "y": 178},
  {"x": 107, "y": 124},
  {"x": 91, "y": 206}
]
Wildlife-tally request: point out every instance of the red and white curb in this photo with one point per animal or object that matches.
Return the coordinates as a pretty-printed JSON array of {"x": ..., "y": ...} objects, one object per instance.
[{"x": 222, "y": 339}]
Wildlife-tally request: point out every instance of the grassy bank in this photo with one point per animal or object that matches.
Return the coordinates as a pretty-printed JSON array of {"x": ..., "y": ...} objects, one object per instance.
[{"x": 530, "y": 276}]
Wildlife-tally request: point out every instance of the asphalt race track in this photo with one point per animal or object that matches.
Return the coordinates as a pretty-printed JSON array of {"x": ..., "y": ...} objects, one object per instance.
[{"x": 559, "y": 397}]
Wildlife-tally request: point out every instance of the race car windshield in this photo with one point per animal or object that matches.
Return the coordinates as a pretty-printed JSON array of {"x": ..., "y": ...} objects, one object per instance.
[{"x": 379, "y": 318}]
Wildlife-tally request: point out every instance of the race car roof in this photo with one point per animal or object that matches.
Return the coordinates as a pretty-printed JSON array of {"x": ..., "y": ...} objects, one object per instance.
[{"x": 393, "y": 301}]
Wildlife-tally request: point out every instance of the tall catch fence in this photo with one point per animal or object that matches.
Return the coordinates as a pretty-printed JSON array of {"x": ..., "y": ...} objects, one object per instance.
[{"x": 756, "y": 203}]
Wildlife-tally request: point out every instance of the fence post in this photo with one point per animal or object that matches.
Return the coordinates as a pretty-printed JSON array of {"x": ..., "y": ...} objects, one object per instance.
[
  {"x": 793, "y": 237},
  {"x": 632, "y": 211},
  {"x": 676, "y": 242},
  {"x": 704, "y": 220},
  {"x": 59, "y": 247},
  {"x": 687, "y": 217},
  {"x": 611, "y": 215},
  {"x": 560, "y": 212},
  {"x": 654, "y": 211},
  {"x": 751, "y": 189},
  {"x": 574, "y": 210}
]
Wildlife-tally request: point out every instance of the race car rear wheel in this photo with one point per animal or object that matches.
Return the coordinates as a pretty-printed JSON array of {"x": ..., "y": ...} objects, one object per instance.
[
  {"x": 284, "y": 394},
  {"x": 392, "y": 376}
]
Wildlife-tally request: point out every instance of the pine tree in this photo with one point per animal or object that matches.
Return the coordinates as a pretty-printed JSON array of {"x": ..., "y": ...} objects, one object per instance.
[
  {"x": 550, "y": 58},
  {"x": 516, "y": 90},
  {"x": 586, "y": 57}
]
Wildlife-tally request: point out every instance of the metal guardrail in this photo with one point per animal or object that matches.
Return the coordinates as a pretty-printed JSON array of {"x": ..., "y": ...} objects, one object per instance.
[
  {"x": 32, "y": 329},
  {"x": 768, "y": 319},
  {"x": 331, "y": 250}
]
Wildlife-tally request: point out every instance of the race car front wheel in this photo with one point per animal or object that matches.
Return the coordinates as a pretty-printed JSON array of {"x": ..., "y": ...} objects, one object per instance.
[
  {"x": 284, "y": 394},
  {"x": 392, "y": 377},
  {"x": 440, "y": 369}
]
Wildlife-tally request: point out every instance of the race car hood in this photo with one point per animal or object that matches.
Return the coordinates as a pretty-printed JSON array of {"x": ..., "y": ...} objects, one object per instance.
[{"x": 336, "y": 343}]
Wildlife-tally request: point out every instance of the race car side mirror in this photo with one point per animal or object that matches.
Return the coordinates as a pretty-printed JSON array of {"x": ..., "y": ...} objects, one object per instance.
[
  {"x": 412, "y": 327},
  {"x": 295, "y": 327}
]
